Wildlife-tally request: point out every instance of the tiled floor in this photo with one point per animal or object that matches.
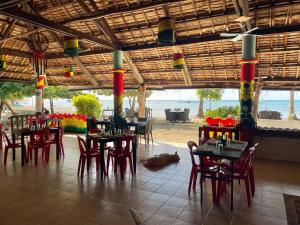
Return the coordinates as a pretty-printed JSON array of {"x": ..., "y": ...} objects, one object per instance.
[{"x": 52, "y": 194}]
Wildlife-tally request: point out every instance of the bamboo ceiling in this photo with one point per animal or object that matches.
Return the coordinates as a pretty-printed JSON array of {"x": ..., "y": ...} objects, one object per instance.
[{"x": 132, "y": 25}]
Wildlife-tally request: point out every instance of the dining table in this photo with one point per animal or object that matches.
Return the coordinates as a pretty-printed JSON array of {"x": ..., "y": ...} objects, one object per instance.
[
  {"x": 231, "y": 152},
  {"x": 105, "y": 138},
  {"x": 24, "y": 132},
  {"x": 130, "y": 122}
]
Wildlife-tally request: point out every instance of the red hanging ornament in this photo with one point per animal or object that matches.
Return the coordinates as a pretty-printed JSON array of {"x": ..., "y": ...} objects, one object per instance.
[{"x": 39, "y": 62}]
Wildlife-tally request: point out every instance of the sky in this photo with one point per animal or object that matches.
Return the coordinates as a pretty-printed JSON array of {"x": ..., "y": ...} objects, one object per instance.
[{"x": 229, "y": 94}]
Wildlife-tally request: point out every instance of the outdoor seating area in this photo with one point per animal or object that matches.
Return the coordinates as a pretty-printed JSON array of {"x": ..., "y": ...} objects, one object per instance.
[
  {"x": 177, "y": 115},
  {"x": 149, "y": 112}
]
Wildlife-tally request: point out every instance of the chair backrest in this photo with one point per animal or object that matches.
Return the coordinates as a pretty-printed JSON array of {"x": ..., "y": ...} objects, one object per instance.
[
  {"x": 124, "y": 144},
  {"x": 37, "y": 137},
  {"x": 191, "y": 146},
  {"x": 148, "y": 126},
  {"x": 6, "y": 139},
  {"x": 82, "y": 145}
]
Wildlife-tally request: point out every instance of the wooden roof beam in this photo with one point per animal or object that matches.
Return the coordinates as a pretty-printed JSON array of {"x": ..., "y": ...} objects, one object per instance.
[
  {"x": 141, "y": 6},
  {"x": 56, "y": 27},
  {"x": 76, "y": 59},
  {"x": 106, "y": 29}
]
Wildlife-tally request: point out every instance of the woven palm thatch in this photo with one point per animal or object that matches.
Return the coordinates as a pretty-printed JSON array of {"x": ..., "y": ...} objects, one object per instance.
[{"x": 132, "y": 25}]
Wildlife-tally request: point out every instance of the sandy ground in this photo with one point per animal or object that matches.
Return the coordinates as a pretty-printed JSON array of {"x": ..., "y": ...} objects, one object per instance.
[{"x": 183, "y": 132}]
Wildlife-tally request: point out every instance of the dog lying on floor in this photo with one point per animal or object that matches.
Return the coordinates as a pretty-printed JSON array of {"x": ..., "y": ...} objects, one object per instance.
[{"x": 160, "y": 160}]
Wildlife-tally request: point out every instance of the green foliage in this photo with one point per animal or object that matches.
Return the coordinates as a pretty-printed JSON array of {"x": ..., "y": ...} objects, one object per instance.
[
  {"x": 223, "y": 112},
  {"x": 54, "y": 92},
  {"x": 87, "y": 104},
  {"x": 12, "y": 91},
  {"x": 210, "y": 94}
]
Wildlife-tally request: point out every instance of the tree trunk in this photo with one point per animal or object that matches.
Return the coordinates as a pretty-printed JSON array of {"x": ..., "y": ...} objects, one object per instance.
[
  {"x": 292, "y": 115},
  {"x": 210, "y": 105},
  {"x": 9, "y": 106},
  {"x": 201, "y": 110},
  {"x": 142, "y": 102},
  {"x": 131, "y": 106},
  {"x": 1, "y": 108},
  {"x": 256, "y": 100},
  {"x": 51, "y": 106}
]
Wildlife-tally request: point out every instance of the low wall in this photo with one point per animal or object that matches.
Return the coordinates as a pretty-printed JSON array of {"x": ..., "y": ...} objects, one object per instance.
[{"x": 278, "y": 144}]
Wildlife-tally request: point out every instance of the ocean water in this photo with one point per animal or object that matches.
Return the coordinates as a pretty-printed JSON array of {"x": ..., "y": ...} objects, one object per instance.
[{"x": 158, "y": 106}]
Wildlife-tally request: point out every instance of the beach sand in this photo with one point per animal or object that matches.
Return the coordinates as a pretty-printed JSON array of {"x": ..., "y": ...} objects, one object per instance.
[{"x": 182, "y": 132}]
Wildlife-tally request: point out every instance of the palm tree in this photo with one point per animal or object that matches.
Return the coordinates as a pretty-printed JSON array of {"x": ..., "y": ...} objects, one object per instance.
[{"x": 210, "y": 95}]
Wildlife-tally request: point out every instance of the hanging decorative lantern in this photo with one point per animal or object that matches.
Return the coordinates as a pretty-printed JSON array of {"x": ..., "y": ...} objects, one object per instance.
[
  {"x": 71, "y": 46},
  {"x": 41, "y": 82},
  {"x": 2, "y": 62},
  {"x": 178, "y": 61},
  {"x": 39, "y": 62},
  {"x": 166, "y": 31},
  {"x": 69, "y": 71}
]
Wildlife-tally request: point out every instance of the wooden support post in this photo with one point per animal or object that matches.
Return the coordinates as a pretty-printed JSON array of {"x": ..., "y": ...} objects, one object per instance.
[
  {"x": 258, "y": 88},
  {"x": 142, "y": 101},
  {"x": 248, "y": 62},
  {"x": 292, "y": 114}
]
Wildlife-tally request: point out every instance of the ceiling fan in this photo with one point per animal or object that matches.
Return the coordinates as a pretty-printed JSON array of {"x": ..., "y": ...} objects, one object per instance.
[{"x": 238, "y": 36}]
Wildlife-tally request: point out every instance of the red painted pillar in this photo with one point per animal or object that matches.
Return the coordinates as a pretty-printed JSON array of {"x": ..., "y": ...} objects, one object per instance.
[
  {"x": 118, "y": 83},
  {"x": 248, "y": 62}
]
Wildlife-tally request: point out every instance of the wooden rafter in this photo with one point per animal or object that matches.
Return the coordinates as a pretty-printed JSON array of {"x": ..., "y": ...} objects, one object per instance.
[
  {"x": 76, "y": 59},
  {"x": 104, "y": 26},
  {"x": 50, "y": 25}
]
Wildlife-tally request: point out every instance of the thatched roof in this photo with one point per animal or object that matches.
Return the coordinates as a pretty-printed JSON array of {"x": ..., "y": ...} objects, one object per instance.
[{"x": 132, "y": 25}]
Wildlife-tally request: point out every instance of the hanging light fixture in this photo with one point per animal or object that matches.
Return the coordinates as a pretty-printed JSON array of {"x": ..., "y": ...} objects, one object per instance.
[
  {"x": 39, "y": 62},
  {"x": 166, "y": 31},
  {"x": 69, "y": 71},
  {"x": 41, "y": 82},
  {"x": 2, "y": 62},
  {"x": 71, "y": 46},
  {"x": 178, "y": 61}
]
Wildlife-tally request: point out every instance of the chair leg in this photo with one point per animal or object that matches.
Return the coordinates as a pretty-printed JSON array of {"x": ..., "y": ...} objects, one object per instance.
[
  {"x": 252, "y": 180},
  {"x": 62, "y": 149},
  {"x": 195, "y": 180},
  {"x": 107, "y": 162},
  {"x": 82, "y": 166},
  {"x": 35, "y": 156},
  {"x": 116, "y": 162},
  {"x": 191, "y": 180},
  {"x": 214, "y": 192},
  {"x": 151, "y": 137},
  {"x": 220, "y": 187},
  {"x": 5, "y": 154},
  {"x": 130, "y": 164},
  {"x": 79, "y": 166},
  {"x": 247, "y": 190},
  {"x": 97, "y": 163}
]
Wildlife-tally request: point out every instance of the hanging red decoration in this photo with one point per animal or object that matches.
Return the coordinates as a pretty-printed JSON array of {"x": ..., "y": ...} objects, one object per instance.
[{"x": 39, "y": 62}]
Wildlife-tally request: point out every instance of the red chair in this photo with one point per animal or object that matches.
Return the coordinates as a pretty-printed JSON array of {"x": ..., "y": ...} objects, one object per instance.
[
  {"x": 51, "y": 139},
  {"x": 251, "y": 170},
  {"x": 210, "y": 168},
  {"x": 8, "y": 145},
  {"x": 241, "y": 172},
  {"x": 86, "y": 155},
  {"x": 36, "y": 141},
  {"x": 119, "y": 154}
]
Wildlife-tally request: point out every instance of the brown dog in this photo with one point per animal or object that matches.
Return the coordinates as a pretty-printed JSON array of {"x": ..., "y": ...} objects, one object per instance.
[{"x": 160, "y": 160}]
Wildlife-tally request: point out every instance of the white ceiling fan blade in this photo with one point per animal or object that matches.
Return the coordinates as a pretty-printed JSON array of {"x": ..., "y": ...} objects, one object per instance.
[
  {"x": 251, "y": 30},
  {"x": 237, "y": 38},
  {"x": 228, "y": 35}
]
